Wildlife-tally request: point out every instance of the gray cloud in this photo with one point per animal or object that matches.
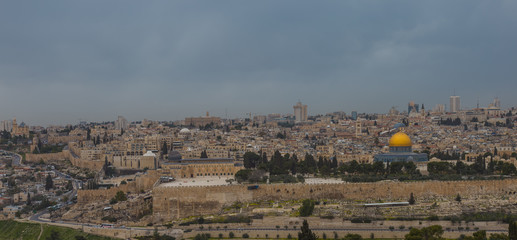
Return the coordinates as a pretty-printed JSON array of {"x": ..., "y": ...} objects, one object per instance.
[{"x": 61, "y": 61}]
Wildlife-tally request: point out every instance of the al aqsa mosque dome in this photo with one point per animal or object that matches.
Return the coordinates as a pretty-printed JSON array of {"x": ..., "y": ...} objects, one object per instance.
[{"x": 400, "y": 150}]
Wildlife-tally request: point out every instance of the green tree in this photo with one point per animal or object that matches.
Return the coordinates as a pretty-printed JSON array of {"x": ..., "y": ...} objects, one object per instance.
[
  {"x": 498, "y": 236},
  {"x": 512, "y": 230},
  {"x": 120, "y": 196},
  {"x": 479, "y": 235},
  {"x": 69, "y": 185},
  {"x": 427, "y": 233},
  {"x": 411, "y": 199},
  {"x": 251, "y": 160},
  {"x": 242, "y": 175},
  {"x": 49, "y": 183},
  {"x": 88, "y": 132},
  {"x": 351, "y": 236},
  {"x": 202, "y": 236},
  {"x": 306, "y": 233},
  {"x": 458, "y": 198},
  {"x": 203, "y": 154},
  {"x": 54, "y": 235},
  {"x": 306, "y": 208},
  {"x": 164, "y": 148}
]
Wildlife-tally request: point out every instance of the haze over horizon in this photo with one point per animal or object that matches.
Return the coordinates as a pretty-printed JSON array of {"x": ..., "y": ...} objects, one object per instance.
[{"x": 61, "y": 61}]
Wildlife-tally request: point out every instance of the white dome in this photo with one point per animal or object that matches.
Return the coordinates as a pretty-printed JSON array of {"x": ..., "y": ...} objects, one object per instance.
[{"x": 184, "y": 130}]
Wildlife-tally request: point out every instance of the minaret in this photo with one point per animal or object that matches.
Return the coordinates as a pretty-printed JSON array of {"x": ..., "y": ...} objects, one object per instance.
[{"x": 423, "y": 110}]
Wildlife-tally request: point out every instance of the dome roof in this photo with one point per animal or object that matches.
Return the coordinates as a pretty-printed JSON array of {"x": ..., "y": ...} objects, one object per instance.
[
  {"x": 174, "y": 156},
  {"x": 184, "y": 131},
  {"x": 400, "y": 139}
]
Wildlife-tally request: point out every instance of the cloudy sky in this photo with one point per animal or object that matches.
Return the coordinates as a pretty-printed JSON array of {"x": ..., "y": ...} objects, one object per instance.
[{"x": 61, "y": 61}]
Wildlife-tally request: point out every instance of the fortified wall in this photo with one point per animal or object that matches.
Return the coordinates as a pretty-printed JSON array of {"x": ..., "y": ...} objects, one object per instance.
[
  {"x": 65, "y": 155},
  {"x": 89, "y": 164},
  {"x": 180, "y": 202},
  {"x": 45, "y": 157},
  {"x": 141, "y": 183}
]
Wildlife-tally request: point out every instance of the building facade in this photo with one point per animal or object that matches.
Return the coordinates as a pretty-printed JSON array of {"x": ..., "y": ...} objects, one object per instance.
[
  {"x": 454, "y": 104},
  {"x": 300, "y": 112}
]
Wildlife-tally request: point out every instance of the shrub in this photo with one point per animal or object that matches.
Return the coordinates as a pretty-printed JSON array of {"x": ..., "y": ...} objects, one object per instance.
[
  {"x": 120, "y": 196},
  {"x": 307, "y": 208},
  {"x": 109, "y": 219},
  {"x": 245, "y": 235}
]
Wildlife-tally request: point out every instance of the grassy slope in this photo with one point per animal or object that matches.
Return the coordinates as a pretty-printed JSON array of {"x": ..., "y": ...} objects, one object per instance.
[{"x": 18, "y": 230}]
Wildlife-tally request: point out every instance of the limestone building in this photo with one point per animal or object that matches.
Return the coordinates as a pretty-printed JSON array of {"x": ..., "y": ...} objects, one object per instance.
[
  {"x": 200, "y": 167},
  {"x": 202, "y": 121},
  {"x": 146, "y": 161},
  {"x": 21, "y": 130}
]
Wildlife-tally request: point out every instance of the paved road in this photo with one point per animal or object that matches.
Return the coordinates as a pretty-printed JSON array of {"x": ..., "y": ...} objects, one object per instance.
[{"x": 339, "y": 229}]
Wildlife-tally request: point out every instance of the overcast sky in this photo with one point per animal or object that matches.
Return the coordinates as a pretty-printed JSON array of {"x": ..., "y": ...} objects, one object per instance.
[{"x": 61, "y": 61}]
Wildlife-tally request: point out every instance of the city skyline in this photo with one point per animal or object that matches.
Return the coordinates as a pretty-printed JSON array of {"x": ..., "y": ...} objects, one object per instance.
[{"x": 63, "y": 62}]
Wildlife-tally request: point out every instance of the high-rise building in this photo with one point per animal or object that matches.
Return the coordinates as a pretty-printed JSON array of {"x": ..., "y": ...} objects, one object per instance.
[
  {"x": 300, "y": 112},
  {"x": 496, "y": 103},
  {"x": 439, "y": 108},
  {"x": 121, "y": 123},
  {"x": 6, "y": 125},
  {"x": 354, "y": 115},
  {"x": 454, "y": 104},
  {"x": 412, "y": 107}
]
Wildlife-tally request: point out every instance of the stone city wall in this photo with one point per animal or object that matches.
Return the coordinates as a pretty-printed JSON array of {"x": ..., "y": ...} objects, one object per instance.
[
  {"x": 45, "y": 157},
  {"x": 65, "y": 155},
  {"x": 141, "y": 183},
  {"x": 95, "y": 165},
  {"x": 179, "y": 202}
]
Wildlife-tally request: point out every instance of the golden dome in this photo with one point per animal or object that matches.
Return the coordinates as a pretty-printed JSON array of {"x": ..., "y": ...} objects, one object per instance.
[{"x": 400, "y": 139}]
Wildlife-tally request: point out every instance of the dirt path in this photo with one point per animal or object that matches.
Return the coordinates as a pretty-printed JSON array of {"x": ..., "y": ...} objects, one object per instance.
[{"x": 41, "y": 231}]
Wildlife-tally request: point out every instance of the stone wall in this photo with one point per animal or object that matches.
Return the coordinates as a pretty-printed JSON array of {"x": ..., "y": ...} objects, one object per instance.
[
  {"x": 65, "y": 155},
  {"x": 45, "y": 157},
  {"x": 142, "y": 183},
  {"x": 179, "y": 202},
  {"x": 95, "y": 165}
]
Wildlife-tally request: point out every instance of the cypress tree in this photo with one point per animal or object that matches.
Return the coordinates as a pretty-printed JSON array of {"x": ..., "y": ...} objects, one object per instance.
[
  {"x": 306, "y": 233},
  {"x": 512, "y": 230},
  {"x": 411, "y": 199},
  {"x": 49, "y": 183}
]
